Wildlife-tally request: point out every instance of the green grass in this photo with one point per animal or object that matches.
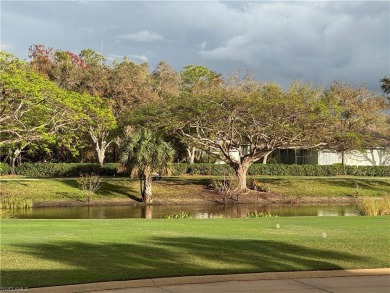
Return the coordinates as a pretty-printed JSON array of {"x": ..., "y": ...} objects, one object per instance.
[
  {"x": 53, "y": 252},
  {"x": 328, "y": 186},
  {"x": 184, "y": 187}
]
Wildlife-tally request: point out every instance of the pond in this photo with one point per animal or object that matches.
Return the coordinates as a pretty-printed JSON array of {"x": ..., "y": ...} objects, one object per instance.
[{"x": 196, "y": 211}]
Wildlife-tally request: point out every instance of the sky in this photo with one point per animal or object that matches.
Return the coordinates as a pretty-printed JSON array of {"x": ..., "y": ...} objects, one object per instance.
[{"x": 312, "y": 41}]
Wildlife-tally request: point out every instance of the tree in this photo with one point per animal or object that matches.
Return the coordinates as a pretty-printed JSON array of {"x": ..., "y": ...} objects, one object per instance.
[
  {"x": 86, "y": 74},
  {"x": 386, "y": 86},
  {"x": 41, "y": 58},
  {"x": 147, "y": 152},
  {"x": 130, "y": 85},
  {"x": 197, "y": 80},
  {"x": 165, "y": 81},
  {"x": 99, "y": 123},
  {"x": 94, "y": 79},
  {"x": 32, "y": 108},
  {"x": 358, "y": 118},
  {"x": 67, "y": 70},
  {"x": 241, "y": 123}
]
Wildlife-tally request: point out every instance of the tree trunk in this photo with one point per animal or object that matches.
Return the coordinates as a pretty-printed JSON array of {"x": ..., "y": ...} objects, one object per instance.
[
  {"x": 100, "y": 144},
  {"x": 343, "y": 158},
  {"x": 265, "y": 158},
  {"x": 191, "y": 155},
  {"x": 14, "y": 156},
  {"x": 241, "y": 171},
  {"x": 101, "y": 155},
  {"x": 147, "y": 190}
]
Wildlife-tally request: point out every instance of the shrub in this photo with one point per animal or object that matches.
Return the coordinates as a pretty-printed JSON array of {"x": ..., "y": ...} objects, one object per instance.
[
  {"x": 113, "y": 169},
  {"x": 368, "y": 206},
  {"x": 260, "y": 186},
  {"x": 179, "y": 169},
  {"x": 226, "y": 186},
  {"x": 13, "y": 203},
  {"x": 4, "y": 169},
  {"x": 89, "y": 183},
  {"x": 258, "y": 215},
  {"x": 179, "y": 215},
  {"x": 66, "y": 169}
]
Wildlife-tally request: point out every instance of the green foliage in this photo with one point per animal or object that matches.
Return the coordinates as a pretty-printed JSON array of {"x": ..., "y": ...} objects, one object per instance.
[
  {"x": 65, "y": 169},
  {"x": 147, "y": 151},
  {"x": 201, "y": 169},
  {"x": 179, "y": 215},
  {"x": 259, "y": 215},
  {"x": 177, "y": 169},
  {"x": 283, "y": 170},
  {"x": 4, "y": 169},
  {"x": 14, "y": 202}
]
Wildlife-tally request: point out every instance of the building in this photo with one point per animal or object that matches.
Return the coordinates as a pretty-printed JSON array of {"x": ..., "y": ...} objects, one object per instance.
[{"x": 367, "y": 157}]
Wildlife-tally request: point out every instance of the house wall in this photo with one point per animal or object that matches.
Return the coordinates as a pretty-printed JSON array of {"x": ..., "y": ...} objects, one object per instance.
[
  {"x": 328, "y": 157},
  {"x": 369, "y": 157}
]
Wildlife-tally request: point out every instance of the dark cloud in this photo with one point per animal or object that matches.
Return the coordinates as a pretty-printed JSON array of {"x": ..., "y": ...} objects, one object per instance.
[{"x": 317, "y": 41}]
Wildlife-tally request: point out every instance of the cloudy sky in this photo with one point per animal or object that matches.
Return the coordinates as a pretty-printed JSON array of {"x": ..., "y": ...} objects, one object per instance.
[{"x": 313, "y": 41}]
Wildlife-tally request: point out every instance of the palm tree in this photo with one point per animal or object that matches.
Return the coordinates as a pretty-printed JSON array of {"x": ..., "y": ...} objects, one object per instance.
[{"x": 147, "y": 152}]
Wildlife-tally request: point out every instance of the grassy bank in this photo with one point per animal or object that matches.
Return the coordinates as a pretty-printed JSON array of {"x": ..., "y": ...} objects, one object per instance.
[
  {"x": 53, "y": 252},
  {"x": 188, "y": 188}
]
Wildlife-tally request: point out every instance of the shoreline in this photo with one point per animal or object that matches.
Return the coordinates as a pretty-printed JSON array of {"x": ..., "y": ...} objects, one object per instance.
[{"x": 251, "y": 197}]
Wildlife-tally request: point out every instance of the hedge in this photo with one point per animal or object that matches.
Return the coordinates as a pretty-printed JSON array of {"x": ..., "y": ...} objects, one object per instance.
[
  {"x": 65, "y": 169},
  {"x": 111, "y": 169},
  {"x": 4, "y": 169}
]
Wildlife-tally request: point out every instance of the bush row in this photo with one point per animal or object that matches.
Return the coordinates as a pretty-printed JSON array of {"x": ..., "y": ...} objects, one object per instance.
[
  {"x": 111, "y": 169},
  {"x": 65, "y": 169},
  {"x": 318, "y": 170},
  {"x": 285, "y": 170}
]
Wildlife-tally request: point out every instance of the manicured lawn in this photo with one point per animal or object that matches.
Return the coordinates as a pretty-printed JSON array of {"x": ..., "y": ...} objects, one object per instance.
[
  {"x": 52, "y": 252},
  {"x": 65, "y": 189},
  {"x": 329, "y": 186}
]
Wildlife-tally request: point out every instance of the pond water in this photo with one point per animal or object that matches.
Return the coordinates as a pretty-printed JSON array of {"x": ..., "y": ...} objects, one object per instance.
[{"x": 196, "y": 211}]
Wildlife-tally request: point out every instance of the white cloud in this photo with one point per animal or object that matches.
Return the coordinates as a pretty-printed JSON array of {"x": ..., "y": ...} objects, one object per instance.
[
  {"x": 5, "y": 46},
  {"x": 142, "y": 36},
  {"x": 113, "y": 57},
  {"x": 140, "y": 57}
]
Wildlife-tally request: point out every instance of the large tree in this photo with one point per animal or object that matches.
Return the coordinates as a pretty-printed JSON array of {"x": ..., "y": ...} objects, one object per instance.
[
  {"x": 241, "y": 122},
  {"x": 165, "y": 81},
  {"x": 99, "y": 123},
  {"x": 147, "y": 152},
  {"x": 197, "y": 80},
  {"x": 86, "y": 74},
  {"x": 358, "y": 118},
  {"x": 130, "y": 85},
  {"x": 33, "y": 109}
]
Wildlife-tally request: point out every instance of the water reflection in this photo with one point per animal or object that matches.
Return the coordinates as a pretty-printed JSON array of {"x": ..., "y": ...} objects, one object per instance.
[{"x": 196, "y": 211}]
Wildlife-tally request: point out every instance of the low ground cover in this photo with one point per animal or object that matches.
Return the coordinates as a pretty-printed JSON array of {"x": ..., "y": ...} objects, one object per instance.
[
  {"x": 187, "y": 189},
  {"x": 53, "y": 252}
]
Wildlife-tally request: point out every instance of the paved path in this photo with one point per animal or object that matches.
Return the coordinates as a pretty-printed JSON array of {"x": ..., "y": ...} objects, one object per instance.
[{"x": 346, "y": 281}]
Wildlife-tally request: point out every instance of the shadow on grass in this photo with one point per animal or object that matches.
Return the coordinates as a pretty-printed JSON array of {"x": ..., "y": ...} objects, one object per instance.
[
  {"x": 108, "y": 189},
  {"x": 355, "y": 183},
  {"x": 352, "y": 184},
  {"x": 186, "y": 181},
  {"x": 113, "y": 190},
  {"x": 165, "y": 257}
]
